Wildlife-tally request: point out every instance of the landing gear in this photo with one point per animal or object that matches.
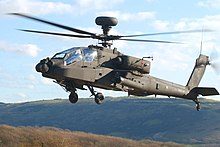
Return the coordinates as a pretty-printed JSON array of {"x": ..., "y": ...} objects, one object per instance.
[
  {"x": 73, "y": 97},
  {"x": 99, "y": 97},
  {"x": 69, "y": 87},
  {"x": 198, "y": 105}
]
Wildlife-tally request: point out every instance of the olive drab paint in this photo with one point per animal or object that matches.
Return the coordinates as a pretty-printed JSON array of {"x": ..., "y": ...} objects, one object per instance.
[{"x": 103, "y": 67}]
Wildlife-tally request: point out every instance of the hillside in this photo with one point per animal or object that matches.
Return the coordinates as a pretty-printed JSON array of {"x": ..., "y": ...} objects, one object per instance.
[
  {"x": 167, "y": 120},
  {"x": 45, "y": 136}
]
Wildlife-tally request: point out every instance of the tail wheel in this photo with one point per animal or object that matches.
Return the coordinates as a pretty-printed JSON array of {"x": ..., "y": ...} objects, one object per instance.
[
  {"x": 198, "y": 105},
  {"x": 99, "y": 97},
  {"x": 73, "y": 97}
]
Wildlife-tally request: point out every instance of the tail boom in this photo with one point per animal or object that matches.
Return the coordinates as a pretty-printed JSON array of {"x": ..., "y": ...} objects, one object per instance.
[
  {"x": 192, "y": 85},
  {"x": 198, "y": 72},
  {"x": 152, "y": 85}
]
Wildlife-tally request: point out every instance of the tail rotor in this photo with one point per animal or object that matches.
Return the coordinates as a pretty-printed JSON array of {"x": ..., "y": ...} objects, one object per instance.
[{"x": 215, "y": 61}]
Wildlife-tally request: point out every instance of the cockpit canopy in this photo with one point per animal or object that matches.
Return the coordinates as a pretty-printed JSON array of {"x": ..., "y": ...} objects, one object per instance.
[{"x": 76, "y": 54}]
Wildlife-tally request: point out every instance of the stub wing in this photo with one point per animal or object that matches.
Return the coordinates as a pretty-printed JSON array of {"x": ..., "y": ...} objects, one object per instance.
[{"x": 204, "y": 91}]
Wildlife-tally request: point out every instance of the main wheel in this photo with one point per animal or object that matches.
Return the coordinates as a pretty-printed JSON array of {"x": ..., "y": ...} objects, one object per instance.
[
  {"x": 73, "y": 97},
  {"x": 99, "y": 97}
]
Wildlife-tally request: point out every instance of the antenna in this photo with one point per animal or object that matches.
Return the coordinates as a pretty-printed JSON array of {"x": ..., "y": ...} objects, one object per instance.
[{"x": 200, "y": 52}]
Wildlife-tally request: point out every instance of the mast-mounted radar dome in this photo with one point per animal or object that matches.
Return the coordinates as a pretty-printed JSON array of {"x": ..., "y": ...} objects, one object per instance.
[{"x": 106, "y": 23}]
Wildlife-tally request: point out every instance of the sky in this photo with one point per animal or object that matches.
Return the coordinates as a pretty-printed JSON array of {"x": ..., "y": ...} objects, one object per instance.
[{"x": 20, "y": 51}]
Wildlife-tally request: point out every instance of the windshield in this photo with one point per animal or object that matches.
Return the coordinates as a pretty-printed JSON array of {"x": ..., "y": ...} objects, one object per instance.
[
  {"x": 77, "y": 54},
  {"x": 73, "y": 57},
  {"x": 63, "y": 53},
  {"x": 89, "y": 54}
]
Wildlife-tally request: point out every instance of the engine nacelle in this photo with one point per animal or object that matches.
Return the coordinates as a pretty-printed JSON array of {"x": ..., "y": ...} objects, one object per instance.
[{"x": 133, "y": 63}]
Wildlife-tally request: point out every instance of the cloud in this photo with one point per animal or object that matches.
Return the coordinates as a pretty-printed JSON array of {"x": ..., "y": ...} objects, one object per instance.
[
  {"x": 19, "y": 81},
  {"x": 32, "y": 79},
  {"x": 138, "y": 16},
  {"x": 34, "y": 7},
  {"x": 209, "y": 4},
  {"x": 47, "y": 81},
  {"x": 21, "y": 95},
  {"x": 150, "y": 1},
  {"x": 160, "y": 25},
  {"x": 210, "y": 39},
  {"x": 25, "y": 49},
  {"x": 97, "y": 4},
  {"x": 181, "y": 57},
  {"x": 40, "y": 7}
]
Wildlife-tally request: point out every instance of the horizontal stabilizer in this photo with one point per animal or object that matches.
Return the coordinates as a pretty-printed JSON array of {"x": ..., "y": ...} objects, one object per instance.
[{"x": 205, "y": 91}]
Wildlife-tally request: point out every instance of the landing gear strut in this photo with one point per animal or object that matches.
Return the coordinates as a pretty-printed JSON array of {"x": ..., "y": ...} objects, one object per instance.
[
  {"x": 198, "y": 105},
  {"x": 69, "y": 86},
  {"x": 99, "y": 97}
]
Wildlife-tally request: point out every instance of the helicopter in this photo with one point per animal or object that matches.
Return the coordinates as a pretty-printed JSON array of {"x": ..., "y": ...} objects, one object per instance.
[{"x": 101, "y": 66}]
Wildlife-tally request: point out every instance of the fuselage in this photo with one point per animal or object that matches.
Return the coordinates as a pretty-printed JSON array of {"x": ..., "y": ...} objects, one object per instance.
[{"x": 107, "y": 69}]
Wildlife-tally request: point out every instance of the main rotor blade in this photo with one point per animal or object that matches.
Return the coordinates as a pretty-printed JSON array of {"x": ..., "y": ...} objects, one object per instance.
[
  {"x": 58, "y": 34},
  {"x": 54, "y": 24},
  {"x": 167, "y": 33},
  {"x": 157, "y": 41}
]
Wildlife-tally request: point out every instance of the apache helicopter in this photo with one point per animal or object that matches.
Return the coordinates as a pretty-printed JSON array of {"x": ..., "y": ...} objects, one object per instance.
[{"x": 107, "y": 68}]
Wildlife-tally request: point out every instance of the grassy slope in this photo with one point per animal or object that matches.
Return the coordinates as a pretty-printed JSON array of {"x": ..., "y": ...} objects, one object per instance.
[
  {"x": 44, "y": 136},
  {"x": 156, "y": 119}
]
